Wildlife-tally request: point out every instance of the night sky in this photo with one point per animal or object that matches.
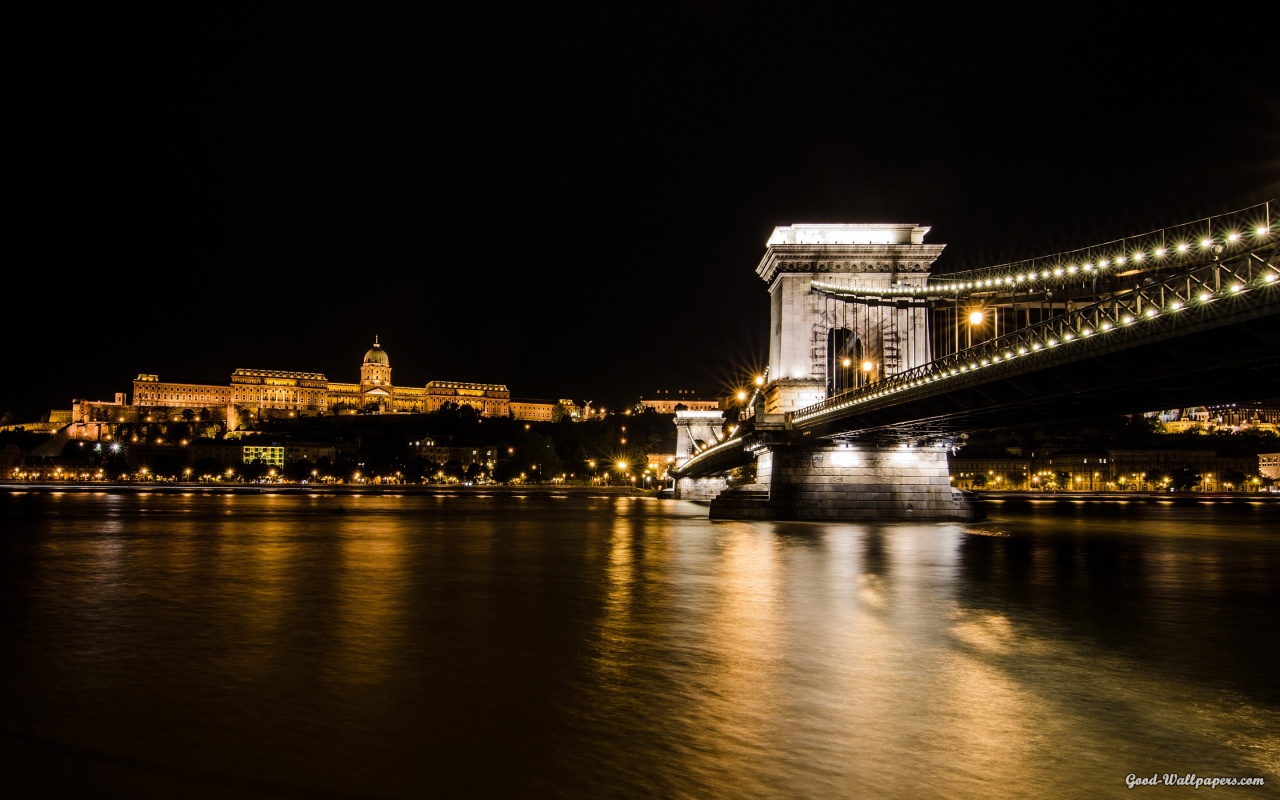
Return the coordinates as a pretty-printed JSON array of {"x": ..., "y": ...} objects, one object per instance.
[{"x": 569, "y": 200}]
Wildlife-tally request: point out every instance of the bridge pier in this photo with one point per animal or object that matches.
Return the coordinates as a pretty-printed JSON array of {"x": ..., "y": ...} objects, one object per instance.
[
  {"x": 849, "y": 482},
  {"x": 703, "y": 489}
]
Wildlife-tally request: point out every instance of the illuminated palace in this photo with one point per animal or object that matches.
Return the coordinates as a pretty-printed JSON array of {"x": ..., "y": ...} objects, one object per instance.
[{"x": 257, "y": 393}]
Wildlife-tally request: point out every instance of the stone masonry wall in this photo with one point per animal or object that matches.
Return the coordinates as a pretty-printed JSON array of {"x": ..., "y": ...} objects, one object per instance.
[
  {"x": 866, "y": 482},
  {"x": 704, "y": 489}
]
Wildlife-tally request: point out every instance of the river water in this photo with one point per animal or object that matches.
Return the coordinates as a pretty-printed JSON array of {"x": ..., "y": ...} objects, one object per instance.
[{"x": 375, "y": 646}]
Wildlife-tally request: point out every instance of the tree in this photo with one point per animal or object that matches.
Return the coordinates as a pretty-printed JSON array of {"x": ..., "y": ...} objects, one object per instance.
[
  {"x": 298, "y": 469},
  {"x": 1234, "y": 478},
  {"x": 453, "y": 469},
  {"x": 506, "y": 470},
  {"x": 324, "y": 466},
  {"x": 1184, "y": 477},
  {"x": 207, "y": 466},
  {"x": 178, "y": 431},
  {"x": 537, "y": 455},
  {"x": 167, "y": 465},
  {"x": 253, "y": 470}
]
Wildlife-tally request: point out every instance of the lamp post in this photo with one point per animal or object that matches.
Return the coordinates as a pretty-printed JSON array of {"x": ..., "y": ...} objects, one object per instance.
[{"x": 975, "y": 319}]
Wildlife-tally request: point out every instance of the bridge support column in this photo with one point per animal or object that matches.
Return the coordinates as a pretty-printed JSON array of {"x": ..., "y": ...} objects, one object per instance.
[
  {"x": 849, "y": 482},
  {"x": 699, "y": 488}
]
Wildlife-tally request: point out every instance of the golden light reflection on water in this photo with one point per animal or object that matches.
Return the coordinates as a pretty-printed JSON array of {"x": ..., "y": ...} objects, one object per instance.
[
  {"x": 1016, "y": 693},
  {"x": 261, "y": 563},
  {"x": 745, "y": 622},
  {"x": 370, "y": 604},
  {"x": 627, "y": 648},
  {"x": 615, "y": 643}
]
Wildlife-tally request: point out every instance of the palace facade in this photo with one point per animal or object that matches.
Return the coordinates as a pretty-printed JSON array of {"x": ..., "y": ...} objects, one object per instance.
[{"x": 256, "y": 393}]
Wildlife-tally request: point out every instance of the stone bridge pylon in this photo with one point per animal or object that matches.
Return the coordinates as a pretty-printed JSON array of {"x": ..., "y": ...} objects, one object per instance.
[
  {"x": 695, "y": 431},
  {"x": 847, "y": 307},
  {"x": 820, "y": 345}
]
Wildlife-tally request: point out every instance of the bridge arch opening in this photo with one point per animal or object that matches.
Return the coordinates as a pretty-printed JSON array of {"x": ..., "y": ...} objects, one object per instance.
[{"x": 845, "y": 355}]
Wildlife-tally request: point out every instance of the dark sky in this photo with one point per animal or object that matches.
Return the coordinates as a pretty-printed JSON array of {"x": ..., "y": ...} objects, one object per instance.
[{"x": 569, "y": 202}]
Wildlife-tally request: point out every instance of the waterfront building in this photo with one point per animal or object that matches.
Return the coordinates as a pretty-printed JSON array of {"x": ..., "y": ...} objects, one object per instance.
[
  {"x": 1241, "y": 417},
  {"x": 485, "y": 455},
  {"x": 488, "y": 399},
  {"x": 668, "y": 403},
  {"x": 1085, "y": 469},
  {"x": 233, "y": 452},
  {"x": 253, "y": 394},
  {"x": 533, "y": 410},
  {"x": 546, "y": 410},
  {"x": 1146, "y": 467},
  {"x": 1227, "y": 418},
  {"x": 990, "y": 472}
]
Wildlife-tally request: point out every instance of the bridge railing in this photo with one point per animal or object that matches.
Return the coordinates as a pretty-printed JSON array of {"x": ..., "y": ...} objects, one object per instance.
[{"x": 1198, "y": 287}]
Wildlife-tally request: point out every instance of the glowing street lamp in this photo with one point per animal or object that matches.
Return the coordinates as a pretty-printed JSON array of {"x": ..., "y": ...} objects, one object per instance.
[{"x": 975, "y": 319}]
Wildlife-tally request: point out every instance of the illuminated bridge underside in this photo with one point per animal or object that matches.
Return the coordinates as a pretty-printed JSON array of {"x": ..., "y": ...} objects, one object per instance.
[
  {"x": 1206, "y": 334},
  {"x": 1201, "y": 362},
  {"x": 729, "y": 455},
  {"x": 1226, "y": 350}
]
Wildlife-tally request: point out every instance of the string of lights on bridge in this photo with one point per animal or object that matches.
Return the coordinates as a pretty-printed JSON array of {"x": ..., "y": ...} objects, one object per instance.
[
  {"x": 736, "y": 430},
  {"x": 1099, "y": 318},
  {"x": 1182, "y": 242}
]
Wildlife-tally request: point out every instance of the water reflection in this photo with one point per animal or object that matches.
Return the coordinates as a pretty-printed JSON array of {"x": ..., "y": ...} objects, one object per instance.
[{"x": 274, "y": 646}]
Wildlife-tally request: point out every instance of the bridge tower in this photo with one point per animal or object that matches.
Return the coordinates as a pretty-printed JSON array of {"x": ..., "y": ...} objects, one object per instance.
[
  {"x": 819, "y": 345},
  {"x": 695, "y": 431},
  {"x": 847, "y": 307}
]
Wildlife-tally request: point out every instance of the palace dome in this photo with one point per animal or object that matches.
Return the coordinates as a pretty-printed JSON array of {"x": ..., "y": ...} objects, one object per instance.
[{"x": 377, "y": 355}]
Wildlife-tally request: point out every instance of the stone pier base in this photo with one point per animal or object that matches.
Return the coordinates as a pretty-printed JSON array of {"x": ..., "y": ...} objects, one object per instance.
[
  {"x": 699, "y": 488},
  {"x": 849, "y": 482}
]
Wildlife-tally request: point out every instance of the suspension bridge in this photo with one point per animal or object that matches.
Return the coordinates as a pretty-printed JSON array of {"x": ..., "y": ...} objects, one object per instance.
[{"x": 877, "y": 368}]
